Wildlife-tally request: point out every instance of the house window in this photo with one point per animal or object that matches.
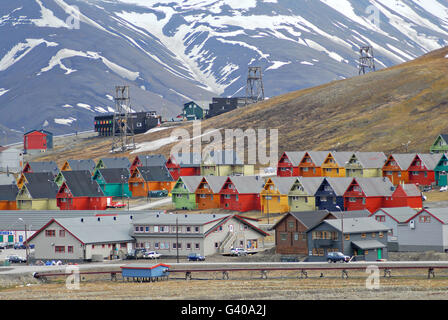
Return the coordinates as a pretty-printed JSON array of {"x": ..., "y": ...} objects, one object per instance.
[
  {"x": 196, "y": 246},
  {"x": 157, "y": 245},
  {"x": 366, "y": 252},
  {"x": 347, "y": 237},
  {"x": 380, "y": 218},
  {"x": 424, "y": 219},
  {"x": 363, "y": 235},
  {"x": 123, "y": 245},
  {"x": 61, "y": 233},
  {"x": 373, "y": 235},
  {"x": 381, "y": 234},
  {"x": 146, "y": 229},
  {"x": 188, "y": 229},
  {"x": 50, "y": 233},
  {"x": 196, "y": 229},
  {"x": 59, "y": 249},
  {"x": 296, "y": 236},
  {"x": 70, "y": 249},
  {"x": 156, "y": 228},
  {"x": 291, "y": 225},
  {"x": 283, "y": 236}
]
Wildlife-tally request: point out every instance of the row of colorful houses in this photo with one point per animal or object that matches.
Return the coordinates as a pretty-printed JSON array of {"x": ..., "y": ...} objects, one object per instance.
[
  {"x": 286, "y": 194},
  {"x": 416, "y": 168}
]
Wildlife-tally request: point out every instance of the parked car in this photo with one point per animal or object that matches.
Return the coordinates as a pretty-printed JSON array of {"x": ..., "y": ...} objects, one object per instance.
[
  {"x": 238, "y": 252},
  {"x": 136, "y": 254},
  {"x": 16, "y": 259},
  {"x": 337, "y": 256},
  {"x": 19, "y": 245},
  {"x": 195, "y": 257},
  {"x": 151, "y": 255},
  {"x": 6, "y": 245}
]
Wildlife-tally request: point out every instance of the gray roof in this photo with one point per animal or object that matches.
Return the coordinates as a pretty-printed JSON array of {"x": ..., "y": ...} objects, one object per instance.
[
  {"x": 411, "y": 190},
  {"x": 283, "y": 184},
  {"x": 371, "y": 159},
  {"x": 430, "y": 160},
  {"x": 182, "y": 219},
  {"x": 155, "y": 173},
  {"x": 339, "y": 185},
  {"x": 295, "y": 157},
  {"x": 368, "y": 244},
  {"x": 341, "y": 157},
  {"x": 228, "y": 157},
  {"x": 7, "y": 179},
  {"x": 400, "y": 214},
  {"x": 404, "y": 160},
  {"x": 41, "y": 185},
  {"x": 80, "y": 184},
  {"x": 116, "y": 163},
  {"x": 36, "y": 219},
  {"x": 113, "y": 175},
  {"x": 8, "y": 192},
  {"x": 85, "y": 164},
  {"x": 318, "y": 157},
  {"x": 357, "y": 225},
  {"x": 191, "y": 182},
  {"x": 376, "y": 186},
  {"x": 150, "y": 160},
  {"x": 215, "y": 182},
  {"x": 439, "y": 213},
  {"x": 351, "y": 214},
  {"x": 309, "y": 218},
  {"x": 247, "y": 184},
  {"x": 311, "y": 184},
  {"x": 44, "y": 166}
]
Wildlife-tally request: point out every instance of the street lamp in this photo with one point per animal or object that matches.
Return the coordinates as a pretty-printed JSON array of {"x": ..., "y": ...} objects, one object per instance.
[
  {"x": 27, "y": 245},
  {"x": 342, "y": 228}
]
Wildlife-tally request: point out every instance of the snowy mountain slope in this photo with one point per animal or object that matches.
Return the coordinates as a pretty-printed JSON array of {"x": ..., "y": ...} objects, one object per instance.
[{"x": 59, "y": 65}]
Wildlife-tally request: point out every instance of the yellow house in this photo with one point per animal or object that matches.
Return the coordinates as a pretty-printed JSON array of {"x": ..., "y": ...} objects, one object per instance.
[
  {"x": 365, "y": 165},
  {"x": 38, "y": 195},
  {"x": 301, "y": 196},
  {"x": 334, "y": 164},
  {"x": 225, "y": 163},
  {"x": 274, "y": 196}
]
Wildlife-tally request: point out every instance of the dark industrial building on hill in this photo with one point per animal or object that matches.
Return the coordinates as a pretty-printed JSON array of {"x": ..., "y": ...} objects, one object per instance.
[
  {"x": 141, "y": 122},
  {"x": 223, "y": 105}
]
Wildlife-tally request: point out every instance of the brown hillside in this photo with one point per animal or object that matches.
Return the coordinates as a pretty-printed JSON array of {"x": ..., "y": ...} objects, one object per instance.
[{"x": 379, "y": 111}]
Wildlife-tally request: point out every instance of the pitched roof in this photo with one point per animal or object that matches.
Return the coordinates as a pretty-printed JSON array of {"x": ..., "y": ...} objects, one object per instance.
[
  {"x": 318, "y": 157},
  {"x": 151, "y": 160},
  {"x": 295, "y": 157},
  {"x": 309, "y": 218},
  {"x": 215, "y": 182},
  {"x": 44, "y": 166},
  {"x": 247, "y": 184},
  {"x": 311, "y": 184},
  {"x": 411, "y": 190},
  {"x": 357, "y": 225},
  {"x": 115, "y": 175},
  {"x": 81, "y": 184},
  {"x": 404, "y": 160},
  {"x": 339, "y": 185},
  {"x": 33, "y": 177},
  {"x": 39, "y": 189},
  {"x": 444, "y": 136},
  {"x": 228, "y": 157},
  {"x": 440, "y": 214},
  {"x": 377, "y": 186},
  {"x": 183, "y": 219},
  {"x": 187, "y": 160},
  {"x": 110, "y": 163},
  {"x": 371, "y": 159},
  {"x": 8, "y": 192},
  {"x": 430, "y": 160},
  {"x": 155, "y": 173},
  {"x": 399, "y": 214},
  {"x": 283, "y": 184},
  {"x": 191, "y": 182},
  {"x": 341, "y": 157},
  {"x": 85, "y": 164},
  {"x": 351, "y": 214}
]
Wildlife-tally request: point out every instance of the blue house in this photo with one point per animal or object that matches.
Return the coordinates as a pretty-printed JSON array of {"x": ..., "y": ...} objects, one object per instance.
[
  {"x": 330, "y": 194},
  {"x": 145, "y": 273}
]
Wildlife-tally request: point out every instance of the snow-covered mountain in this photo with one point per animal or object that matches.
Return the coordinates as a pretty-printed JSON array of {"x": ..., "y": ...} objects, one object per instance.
[{"x": 60, "y": 59}]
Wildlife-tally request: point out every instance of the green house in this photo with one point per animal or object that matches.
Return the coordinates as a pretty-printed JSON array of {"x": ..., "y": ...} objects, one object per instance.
[
  {"x": 183, "y": 194},
  {"x": 301, "y": 196},
  {"x": 192, "y": 111},
  {"x": 114, "y": 182},
  {"x": 441, "y": 171},
  {"x": 440, "y": 145}
]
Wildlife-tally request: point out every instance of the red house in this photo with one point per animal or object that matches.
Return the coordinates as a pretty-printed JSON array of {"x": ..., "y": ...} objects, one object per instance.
[
  {"x": 367, "y": 193},
  {"x": 37, "y": 141},
  {"x": 150, "y": 160},
  {"x": 241, "y": 193},
  {"x": 421, "y": 170},
  {"x": 405, "y": 195},
  {"x": 184, "y": 164},
  {"x": 80, "y": 192},
  {"x": 288, "y": 165}
]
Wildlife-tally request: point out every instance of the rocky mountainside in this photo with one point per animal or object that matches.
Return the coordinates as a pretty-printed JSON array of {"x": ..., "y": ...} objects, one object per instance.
[{"x": 60, "y": 59}]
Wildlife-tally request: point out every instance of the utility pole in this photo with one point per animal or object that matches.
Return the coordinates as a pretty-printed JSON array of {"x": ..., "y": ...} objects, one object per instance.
[
  {"x": 177, "y": 239},
  {"x": 342, "y": 228},
  {"x": 27, "y": 247}
]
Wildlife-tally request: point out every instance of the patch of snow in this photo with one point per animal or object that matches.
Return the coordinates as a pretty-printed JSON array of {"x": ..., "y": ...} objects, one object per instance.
[
  {"x": 156, "y": 129},
  {"x": 67, "y": 106},
  {"x": 66, "y": 122},
  {"x": 154, "y": 145},
  {"x": 277, "y": 64},
  {"x": 48, "y": 18},
  {"x": 307, "y": 63},
  {"x": 85, "y": 106},
  {"x": 3, "y": 91},
  {"x": 100, "y": 109},
  {"x": 108, "y": 96}
]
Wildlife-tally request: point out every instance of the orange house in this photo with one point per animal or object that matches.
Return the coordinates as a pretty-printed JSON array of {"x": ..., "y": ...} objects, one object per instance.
[
  {"x": 207, "y": 193},
  {"x": 396, "y": 168},
  {"x": 334, "y": 164},
  {"x": 8, "y": 195},
  {"x": 146, "y": 179},
  {"x": 311, "y": 163}
]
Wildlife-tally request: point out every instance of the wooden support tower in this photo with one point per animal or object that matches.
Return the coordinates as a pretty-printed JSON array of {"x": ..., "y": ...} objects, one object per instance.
[{"x": 123, "y": 129}]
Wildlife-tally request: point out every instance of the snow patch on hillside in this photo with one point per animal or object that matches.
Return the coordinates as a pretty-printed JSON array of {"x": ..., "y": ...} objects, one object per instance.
[
  {"x": 3, "y": 91},
  {"x": 63, "y": 121}
]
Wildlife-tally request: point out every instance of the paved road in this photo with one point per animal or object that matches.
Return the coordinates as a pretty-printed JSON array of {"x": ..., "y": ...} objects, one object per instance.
[{"x": 152, "y": 204}]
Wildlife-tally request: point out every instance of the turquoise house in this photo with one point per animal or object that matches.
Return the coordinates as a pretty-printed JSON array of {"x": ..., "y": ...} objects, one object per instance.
[
  {"x": 441, "y": 171},
  {"x": 114, "y": 182}
]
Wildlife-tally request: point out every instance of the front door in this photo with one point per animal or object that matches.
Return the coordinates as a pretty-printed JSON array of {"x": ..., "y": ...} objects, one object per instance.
[{"x": 380, "y": 253}]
